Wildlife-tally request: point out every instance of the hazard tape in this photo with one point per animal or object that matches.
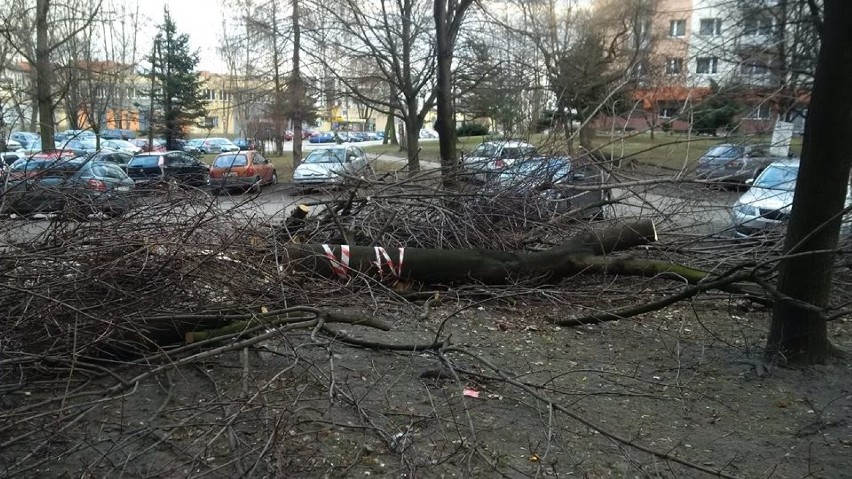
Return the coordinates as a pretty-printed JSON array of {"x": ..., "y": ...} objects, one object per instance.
[
  {"x": 383, "y": 258},
  {"x": 341, "y": 266}
]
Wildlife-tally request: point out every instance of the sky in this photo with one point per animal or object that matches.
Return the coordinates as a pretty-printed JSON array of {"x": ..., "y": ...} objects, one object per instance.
[{"x": 201, "y": 19}]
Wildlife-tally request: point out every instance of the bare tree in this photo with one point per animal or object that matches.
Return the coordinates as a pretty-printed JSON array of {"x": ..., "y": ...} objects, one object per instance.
[
  {"x": 395, "y": 37},
  {"x": 54, "y": 26}
]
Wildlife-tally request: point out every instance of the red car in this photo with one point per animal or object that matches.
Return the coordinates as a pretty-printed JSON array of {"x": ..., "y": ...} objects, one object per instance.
[{"x": 243, "y": 170}]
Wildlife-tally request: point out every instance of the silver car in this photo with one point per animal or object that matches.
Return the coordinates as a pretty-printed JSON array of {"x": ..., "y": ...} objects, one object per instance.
[
  {"x": 330, "y": 166},
  {"x": 766, "y": 206},
  {"x": 490, "y": 158}
]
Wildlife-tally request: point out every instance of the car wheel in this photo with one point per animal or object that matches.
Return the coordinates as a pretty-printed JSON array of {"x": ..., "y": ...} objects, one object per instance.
[{"x": 274, "y": 180}]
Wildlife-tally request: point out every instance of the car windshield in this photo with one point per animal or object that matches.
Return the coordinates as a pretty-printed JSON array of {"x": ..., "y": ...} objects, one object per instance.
[
  {"x": 335, "y": 155},
  {"x": 485, "y": 150},
  {"x": 229, "y": 161},
  {"x": 517, "y": 152},
  {"x": 144, "y": 161},
  {"x": 726, "y": 151},
  {"x": 776, "y": 177},
  {"x": 540, "y": 169}
]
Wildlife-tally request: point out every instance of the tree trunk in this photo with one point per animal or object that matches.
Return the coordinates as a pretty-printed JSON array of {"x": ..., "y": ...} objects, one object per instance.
[
  {"x": 446, "y": 122},
  {"x": 412, "y": 140},
  {"x": 435, "y": 266},
  {"x": 799, "y": 335},
  {"x": 44, "y": 75},
  {"x": 298, "y": 89}
]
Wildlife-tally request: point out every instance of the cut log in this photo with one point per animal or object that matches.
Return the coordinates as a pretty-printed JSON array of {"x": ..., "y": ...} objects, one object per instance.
[{"x": 436, "y": 266}]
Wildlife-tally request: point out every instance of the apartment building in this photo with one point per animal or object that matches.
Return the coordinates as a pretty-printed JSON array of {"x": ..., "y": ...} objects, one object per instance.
[{"x": 755, "y": 49}]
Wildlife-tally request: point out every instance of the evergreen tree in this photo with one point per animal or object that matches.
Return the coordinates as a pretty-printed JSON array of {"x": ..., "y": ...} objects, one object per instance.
[{"x": 176, "y": 93}]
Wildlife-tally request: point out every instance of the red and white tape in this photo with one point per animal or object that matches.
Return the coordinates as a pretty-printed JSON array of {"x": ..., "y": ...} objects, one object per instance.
[
  {"x": 341, "y": 266},
  {"x": 394, "y": 269}
]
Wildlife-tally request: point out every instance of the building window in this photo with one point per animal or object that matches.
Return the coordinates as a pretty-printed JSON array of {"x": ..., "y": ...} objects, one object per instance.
[
  {"x": 710, "y": 26},
  {"x": 677, "y": 28},
  {"x": 674, "y": 66},
  {"x": 707, "y": 65},
  {"x": 760, "y": 112},
  {"x": 209, "y": 94},
  {"x": 757, "y": 25},
  {"x": 211, "y": 122},
  {"x": 754, "y": 68}
]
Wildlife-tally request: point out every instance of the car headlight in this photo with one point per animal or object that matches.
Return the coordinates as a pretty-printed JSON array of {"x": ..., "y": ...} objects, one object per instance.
[{"x": 746, "y": 209}]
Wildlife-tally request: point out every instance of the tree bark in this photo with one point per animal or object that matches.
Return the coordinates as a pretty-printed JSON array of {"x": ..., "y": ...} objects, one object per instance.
[
  {"x": 44, "y": 76},
  {"x": 298, "y": 88},
  {"x": 448, "y": 16},
  {"x": 798, "y": 335},
  {"x": 435, "y": 266}
]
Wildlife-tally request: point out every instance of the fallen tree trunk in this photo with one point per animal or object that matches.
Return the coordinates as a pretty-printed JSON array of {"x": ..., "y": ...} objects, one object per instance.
[{"x": 437, "y": 266}]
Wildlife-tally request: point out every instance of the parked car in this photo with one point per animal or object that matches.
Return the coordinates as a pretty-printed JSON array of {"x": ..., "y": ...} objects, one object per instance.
[
  {"x": 32, "y": 148},
  {"x": 25, "y": 138},
  {"x": 12, "y": 145},
  {"x": 117, "y": 134},
  {"x": 249, "y": 144},
  {"x": 193, "y": 146},
  {"x": 118, "y": 158},
  {"x": 492, "y": 157},
  {"x": 244, "y": 169},
  {"x": 550, "y": 183},
  {"x": 733, "y": 163},
  {"x": 766, "y": 206},
  {"x": 79, "y": 147},
  {"x": 217, "y": 145},
  {"x": 50, "y": 182},
  {"x": 176, "y": 167},
  {"x": 121, "y": 145},
  {"x": 357, "y": 136},
  {"x": 142, "y": 143},
  {"x": 330, "y": 165},
  {"x": 323, "y": 137},
  {"x": 428, "y": 133}
]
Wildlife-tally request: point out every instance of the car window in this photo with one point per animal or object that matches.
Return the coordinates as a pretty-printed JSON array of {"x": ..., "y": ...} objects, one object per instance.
[
  {"x": 144, "y": 161},
  {"x": 106, "y": 170},
  {"x": 778, "y": 177},
  {"x": 176, "y": 160},
  {"x": 724, "y": 152},
  {"x": 230, "y": 161},
  {"x": 359, "y": 152},
  {"x": 333, "y": 155},
  {"x": 485, "y": 150}
]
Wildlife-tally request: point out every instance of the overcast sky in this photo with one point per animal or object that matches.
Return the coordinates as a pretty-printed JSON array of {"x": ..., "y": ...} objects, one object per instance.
[{"x": 201, "y": 19}]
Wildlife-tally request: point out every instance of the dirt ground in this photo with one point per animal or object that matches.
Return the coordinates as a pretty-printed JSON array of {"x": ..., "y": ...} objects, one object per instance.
[{"x": 677, "y": 393}]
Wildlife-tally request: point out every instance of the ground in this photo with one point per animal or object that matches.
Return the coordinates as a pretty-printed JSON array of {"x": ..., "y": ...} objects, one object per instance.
[{"x": 686, "y": 383}]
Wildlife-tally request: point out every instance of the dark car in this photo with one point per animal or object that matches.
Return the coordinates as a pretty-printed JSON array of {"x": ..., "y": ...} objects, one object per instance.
[
  {"x": 734, "y": 163},
  {"x": 77, "y": 186},
  {"x": 167, "y": 167},
  {"x": 551, "y": 184}
]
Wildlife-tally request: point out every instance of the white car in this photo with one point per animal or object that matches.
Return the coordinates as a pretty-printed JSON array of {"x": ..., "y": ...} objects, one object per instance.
[
  {"x": 123, "y": 146},
  {"x": 767, "y": 204},
  {"x": 330, "y": 166},
  {"x": 490, "y": 158}
]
